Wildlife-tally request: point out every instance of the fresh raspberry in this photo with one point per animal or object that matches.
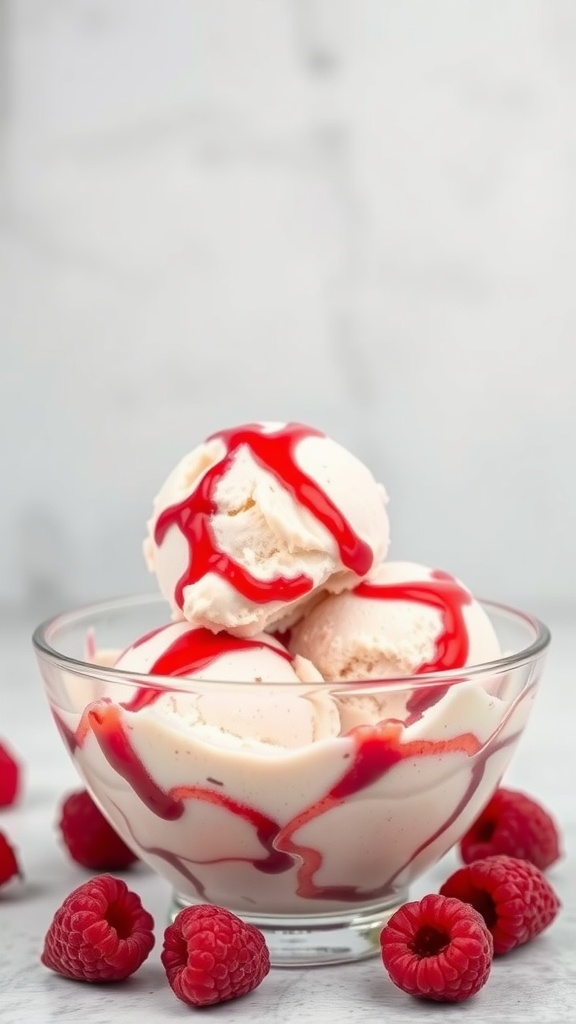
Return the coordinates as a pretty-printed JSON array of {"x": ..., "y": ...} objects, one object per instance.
[
  {"x": 9, "y": 777},
  {"x": 516, "y": 825},
  {"x": 515, "y": 899},
  {"x": 89, "y": 838},
  {"x": 210, "y": 955},
  {"x": 100, "y": 933},
  {"x": 8, "y": 863},
  {"x": 438, "y": 949}
]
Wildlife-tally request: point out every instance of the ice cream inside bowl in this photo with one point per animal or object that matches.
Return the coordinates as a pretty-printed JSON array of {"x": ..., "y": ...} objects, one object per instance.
[
  {"x": 259, "y": 710},
  {"x": 287, "y": 801},
  {"x": 295, "y": 728}
]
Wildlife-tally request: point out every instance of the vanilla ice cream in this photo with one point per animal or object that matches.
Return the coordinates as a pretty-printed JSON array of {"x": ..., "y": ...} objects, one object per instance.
[
  {"x": 180, "y": 649},
  {"x": 403, "y": 619},
  {"x": 259, "y": 519},
  {"x": 260, "y": 799},
  {"x": 249, "y": 715}
]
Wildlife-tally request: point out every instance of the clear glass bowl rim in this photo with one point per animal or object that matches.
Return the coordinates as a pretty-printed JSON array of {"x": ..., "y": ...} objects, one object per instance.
[{"x": 68, "y": 618}]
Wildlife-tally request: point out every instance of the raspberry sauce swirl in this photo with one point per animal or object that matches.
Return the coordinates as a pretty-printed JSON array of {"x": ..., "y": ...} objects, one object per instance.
[{"x": 274, "y": 451}]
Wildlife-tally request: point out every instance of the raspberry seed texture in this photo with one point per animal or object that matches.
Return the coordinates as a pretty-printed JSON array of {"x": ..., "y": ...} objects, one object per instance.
[
  {"x": 438, "y": 949},
  {"x": 513, "y": 824},
  {"x": 210, "y": 955},
  {"x": 515, "y": 899},
  {"x": 10, "y": 777},
  {"x": 8, "y": 863},
  {"x": 100, "y": 933},
  {"x": 89, "y": 838}
]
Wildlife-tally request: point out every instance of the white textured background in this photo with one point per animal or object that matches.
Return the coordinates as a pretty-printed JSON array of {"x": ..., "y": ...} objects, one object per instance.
[{"x": 358, "y": 213}]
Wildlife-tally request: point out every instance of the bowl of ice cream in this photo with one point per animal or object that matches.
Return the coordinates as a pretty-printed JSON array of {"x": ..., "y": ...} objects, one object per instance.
[{"x": 296, "y": 728}]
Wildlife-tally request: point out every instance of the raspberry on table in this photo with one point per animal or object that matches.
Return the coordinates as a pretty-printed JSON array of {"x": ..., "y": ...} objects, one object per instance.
[
  {"x": 9, "y": 866},
  {"x": 10, "y": 777},
  {"x": 516, "y": 825},
  {"x": 89, "y": 838},
  {"x": 437, "y": 948},
  {"x": 515, "y": 899},
  {"x": 210, "y": 955},
  {"x": 100, "y": 933}
]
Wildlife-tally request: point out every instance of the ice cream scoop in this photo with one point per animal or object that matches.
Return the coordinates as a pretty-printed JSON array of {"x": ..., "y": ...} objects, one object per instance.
[
  {"x": 259, "y": 519},
  {"x": 403, "y": 619},
  {"x": 249, "y": 715},
  {"x": 193, "y": 652}
]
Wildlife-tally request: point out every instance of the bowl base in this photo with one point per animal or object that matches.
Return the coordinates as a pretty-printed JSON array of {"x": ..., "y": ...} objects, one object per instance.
[{"x": 319, "y": 939}]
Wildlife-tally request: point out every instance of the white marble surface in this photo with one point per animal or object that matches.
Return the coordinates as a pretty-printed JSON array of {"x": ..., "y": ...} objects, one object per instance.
[{"x": 533, "y": 985}]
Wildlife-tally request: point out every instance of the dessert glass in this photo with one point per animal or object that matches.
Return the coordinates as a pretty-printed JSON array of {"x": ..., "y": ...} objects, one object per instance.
[{"x": 316, "y": 842}]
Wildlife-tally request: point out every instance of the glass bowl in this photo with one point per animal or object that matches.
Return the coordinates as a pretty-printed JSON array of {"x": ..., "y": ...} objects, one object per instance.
[{"x": 314, "y": 808}]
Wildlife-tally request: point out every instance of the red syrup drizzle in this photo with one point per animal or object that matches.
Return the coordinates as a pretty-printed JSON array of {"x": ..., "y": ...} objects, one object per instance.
[
  {"x": 377, "y": 749},
  {"x": 275, "y": 452},
  {"x": 113, "y": 738},
  {"x": 189, "y": 654},
  {"x": 112, "y": 735},
  {"x": 448, "y": 597},
  {"x": 175, "y": 860},
  {"x": 311, "y": 859},
  {"x": 194, "y": 650}
]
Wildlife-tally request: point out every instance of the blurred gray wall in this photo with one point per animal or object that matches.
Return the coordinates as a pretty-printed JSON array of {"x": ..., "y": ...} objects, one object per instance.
[{"x": 354, "y": 213}]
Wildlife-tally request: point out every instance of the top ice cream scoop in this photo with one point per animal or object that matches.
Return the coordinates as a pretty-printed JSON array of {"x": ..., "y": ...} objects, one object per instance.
[{"x": 257, "y": 520}]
